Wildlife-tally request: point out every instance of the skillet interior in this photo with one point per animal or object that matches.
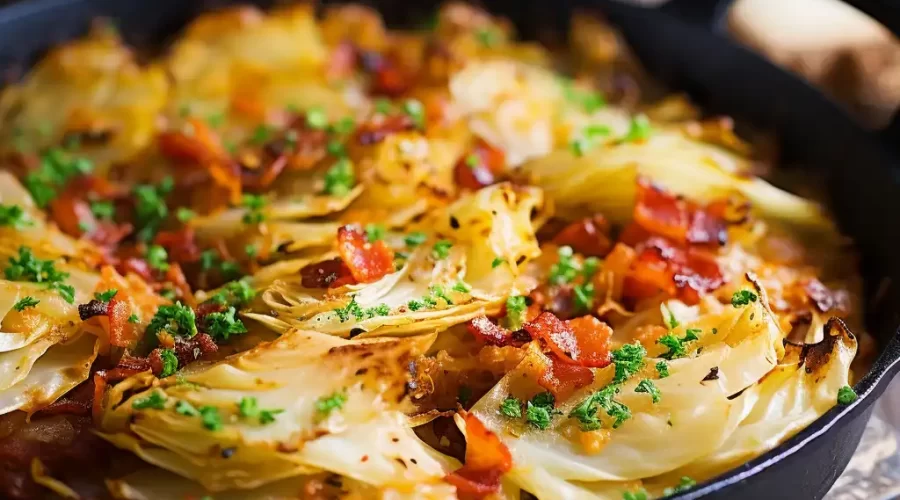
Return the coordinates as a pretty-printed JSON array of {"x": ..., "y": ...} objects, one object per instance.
[{"x": 862, "y": 179}]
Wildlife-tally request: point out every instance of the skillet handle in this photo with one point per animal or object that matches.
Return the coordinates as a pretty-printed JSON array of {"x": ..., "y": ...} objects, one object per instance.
[{"x": 886, "y": 12}]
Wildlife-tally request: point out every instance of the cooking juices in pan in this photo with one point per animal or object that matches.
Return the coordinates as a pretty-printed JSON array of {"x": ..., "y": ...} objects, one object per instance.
[{"x": 312, "y": 254}]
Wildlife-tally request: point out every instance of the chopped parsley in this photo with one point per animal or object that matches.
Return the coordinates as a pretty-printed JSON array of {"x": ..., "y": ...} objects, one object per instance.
[
  {"x": 343, "y": 126},
  {"x": 684, "y": 484},
  {"x": 254, "y": 204},
  {"x": 150, "y": 209},
  {"x": 222, "y": 325},
  {"x": 327, "y": 404},
  {"x": 155, "y": 400},
  {"x": 261, "y": 134},
  {"x": 134, "y": 318},
  {"x": 14, "y": 216},
  {"x": 211, "y": 418},
  {"x": 565, "y": 269},
  {"x": 104, "y": 210},
  {"x": 473, "y": 160},
  {"x": 158, "y": 258},
  {"x": 175, "y": 319},
  {"x": 107, "y": 295},
  {"x": 650, "y": 388},
  {"x": 587, "y": 100},
  {"x": 374, "y": 232},
  {"x": 677, "y": 348},
  {"x": 488, "y": 37},
  {"x": 588, "y": 139},
  {"x": 639, "y": 494},
  {"x": 415, "y": 239},
  {"x": 583, "y": 296},
  {"x": 415, "y": 110},
  {"x": 629, "y": 359},
  {"x": 639, "y": 129},
  {"x": 336, "y": 148},
  {"x": 586, "y": 411},
  {"x": 742, "y": 298},
  {"x": 538, "y": 416},
  {"x": 340, "y": 179},
  {"x": 56, "y": 169},
  {"x": 184, "y": 214},
  {"x": 316, "y": 119},
  {"x": 355, "y": 310},
  {"x": 251, "y": 251},
  {"x": 441, "y": 249},
  {"x": 516, "y": 307},
  {"x": 25, "y": 302},
  {"x": 846, "y": 395},
  {"x": 672, "y": 322},
  {"x": 438, "y": 292},
  {"x": 383, "y": 106},
  {"x": 497, "y": 262},
  {"x": 29, "y": 268},
  {"x": 236, "y": 293},
  {"x": 169, "y": 362},
  {"x": 186, "y": 409},
  {"x": 248, "y": 407},
  {"x": 511, "y": 407},
  {"x": 663, "y": 369},
  {"x": 461, "y": 287}
]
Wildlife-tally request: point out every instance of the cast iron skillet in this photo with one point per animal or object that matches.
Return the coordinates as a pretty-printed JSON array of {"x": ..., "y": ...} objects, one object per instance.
[{"x": 681, "y": 46}]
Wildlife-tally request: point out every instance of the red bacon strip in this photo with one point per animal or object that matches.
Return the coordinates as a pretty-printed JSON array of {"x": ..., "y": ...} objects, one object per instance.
[
  {"x": 562, "y": 379},
  {"x": 483, "y": 167},
  {"x": 582, "y": 341},
  {"x": 662, "y": 266},
  {"x": 680, "y": 220},
  {"x": 487, "y": 459},
  {"x": 332, "y": 272},
  {"x": 367, "y": 261},
  {"x": 588, "y": 236}
]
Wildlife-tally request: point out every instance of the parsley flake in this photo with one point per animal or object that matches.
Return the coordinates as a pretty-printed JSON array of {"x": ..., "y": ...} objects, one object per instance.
[
  {"x": 635, "y": 495},
  {"x": 629, "y": 359},
  {"x": 150, "y": 209},
  {"x": 175, "y": 319},
  {"x": 222, "y": 325},
  {"x": 516, "y": 307},
  {"x": 169, "y": 362},
  {"x": 415, "y": 239},
  {"x": 374, "y": 232},
  {"x": 254, "y": 204},
  {"x": 663, "y": 369},
  {"x": 134, "y": 318},
  {"x": 441, "y": 249},
  {"x": 158, "y": 258},
  {"x": 511, "y": 407},
  {"x": 497, "y": 262},
  {"x": 415, "y": 110},
  {"x": 742, "y": 298},
  {"x": 340, "y": 178},
  {"x": 155, "y": 401},
  {"x": 327, "y": 404},
  {"x": 846, "y": 395},
  {"x": 104, "y": 210},
  {"x": 186, "y": 409},
  {"x": 29, "y": 268},
  {"x": 14, "y": 216},
  {"x": 107, "y": 295},
  {"x": 677, "y": 348},
  {"x": 639, "y": 129},
  {"x": 650, "y": 388},
  {"x": 25, "y": 302},
  {"x": 211, "y": 418},
  {"x": 316, "y": 119},
  {"x": 684, "y": 484}
]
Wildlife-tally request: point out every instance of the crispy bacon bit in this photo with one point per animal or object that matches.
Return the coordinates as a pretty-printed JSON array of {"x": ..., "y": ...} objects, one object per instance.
[
  {"x": 186, "y": 350},
  {"x": 825, "y": 299},
  {"x": 487, "y": 332},
  {"x": 200, "y": 147},
  {"x": 662, "y": 213},
  {"x": 558, "y": 299},
  {"x": 325, "y": 274},
  {"x": 121, "y": 332},
  {"x": 91, "y": 309},
  {"x": 180, "y": 245},
  {"x": 588, "y": 236},
  {"x": 562, "y": 379},
  {"x": 367, "y": 261},
  {"x": 483, "y": 167},
  {"x": 135, "y": 265},
  {"x": 582, "y": 341},
  {"x": 388, "y": 78},
  {"x": 377, "y": 130},
  {"x": 662, "y": 266},
  {"x": 72, "y": 214},
  {"x": 75, "y": 402},
  {"x": 487, "y": 459}
]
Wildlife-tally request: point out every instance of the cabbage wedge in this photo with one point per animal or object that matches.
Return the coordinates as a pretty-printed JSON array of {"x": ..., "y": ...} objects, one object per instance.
[
  {"x": 693, "y": 416},
  {"x": 363, "y": 435},
  {"x": 488, "y": 237}
]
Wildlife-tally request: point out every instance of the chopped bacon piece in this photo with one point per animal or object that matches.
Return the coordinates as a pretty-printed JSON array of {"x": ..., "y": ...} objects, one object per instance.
[
  {"x": 487, "y": 332},
  {"x": 121, "y": 332},
  {"x": 180, "y": 245},
  {"x": 588, "y": 236},
  {"x": 562, "y": 379},
  {"x": 483, "y": 167},
  {"x": 342, "y": 61},
  {"x": 325, "y": 273},
  {"x": 201, "y": 146},
  {"x": 367, "y": 261},
  {"x": 175, "y": 276},
  {"x": 91, "y": 309},
  {"x": 487, "y": 459},
  {"x": 826, "y": 299},
  {"x": 662, "y": 266},
  {"x": 72, "y": 214},
  {"x": 135, "y": 265},
  {"x": 376, "y": 130},
  {"x": 662, "y": 213},
  {"x": 387, "y": 77},
  {"x": 582, "y": 341}
]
